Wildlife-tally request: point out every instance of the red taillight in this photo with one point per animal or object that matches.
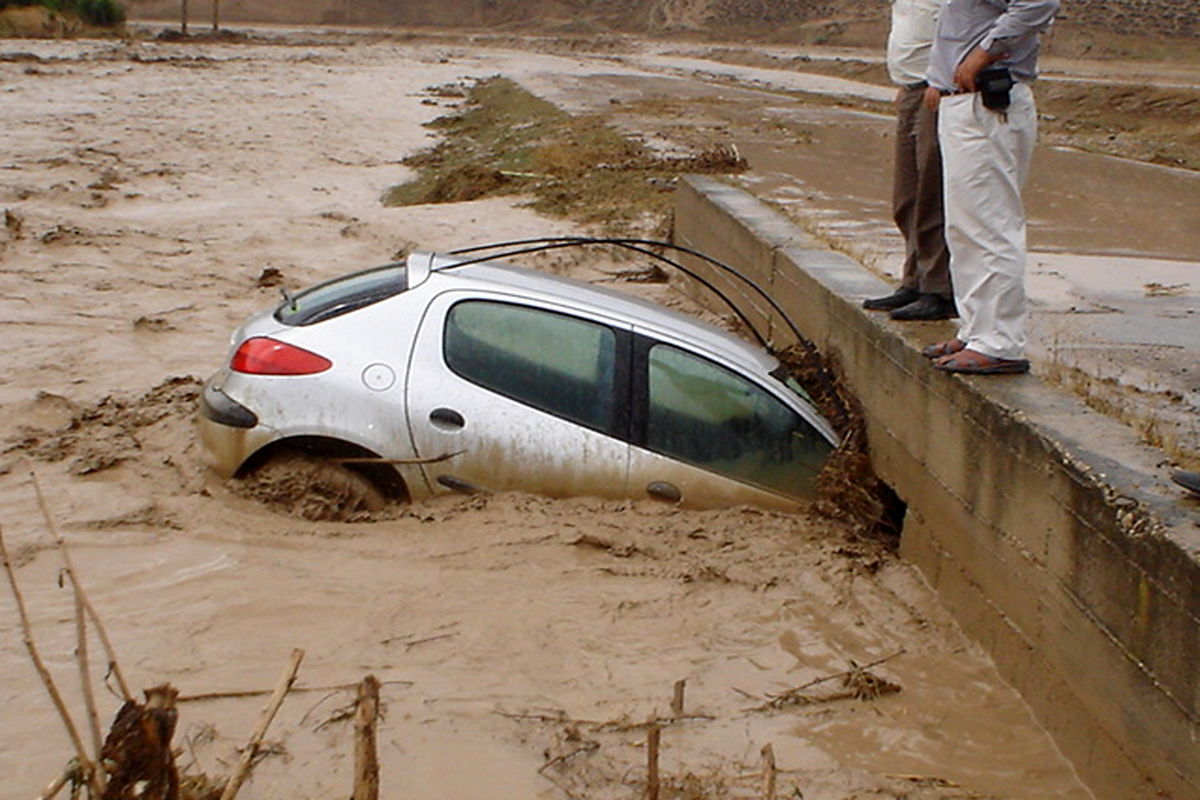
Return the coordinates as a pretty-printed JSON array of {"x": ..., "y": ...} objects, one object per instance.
[{"x": 263, "y": 356}]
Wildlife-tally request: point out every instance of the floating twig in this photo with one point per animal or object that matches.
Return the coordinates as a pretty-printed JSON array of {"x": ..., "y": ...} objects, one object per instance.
[
  {"x": 677, "y": 698},
  {"x": 561, "y": 716},
  {"x": 661, "y": 722},
  {"x": 653, "y": 739},
  {"x": 426, "y": 640},
  {"x": 853, "y": 678},
  {"x": 281, "y": 690},
  {"x": 236, "y": 694},
  {"x": 587, "y": 747},
  {"x": 85, "y": 677},
  {"x": 768, "y": 772},
  {"x": 366, "y": 762},
  {"x": 55, "y": 786}
]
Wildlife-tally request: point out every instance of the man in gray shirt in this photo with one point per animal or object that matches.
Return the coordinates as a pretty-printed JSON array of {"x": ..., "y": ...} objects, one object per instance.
[{"x": 983, "y": 60}]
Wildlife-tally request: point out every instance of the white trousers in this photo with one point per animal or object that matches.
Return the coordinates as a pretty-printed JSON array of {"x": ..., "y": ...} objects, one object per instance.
[{"x": 985, "y": 161}]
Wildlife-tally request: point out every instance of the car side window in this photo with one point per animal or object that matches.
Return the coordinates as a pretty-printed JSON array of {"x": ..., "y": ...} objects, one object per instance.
[
  {"x": 554, "y": 362},
  {"x": 710, "y": 416}
]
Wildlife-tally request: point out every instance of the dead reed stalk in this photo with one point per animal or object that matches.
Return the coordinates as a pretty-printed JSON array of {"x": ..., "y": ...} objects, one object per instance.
[
  {"x": 264, "y": 722},
  {"x": 81, "y": 596},
  {"x": 366, "y": 761},
  {"x": 86, "y": 765},
  {"x": 769, "y": 772},
  {"x": 653, "y": 735}
]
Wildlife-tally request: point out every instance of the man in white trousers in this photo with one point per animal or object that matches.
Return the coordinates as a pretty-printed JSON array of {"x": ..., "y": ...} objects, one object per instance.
[{"x": 983, "y": 61}]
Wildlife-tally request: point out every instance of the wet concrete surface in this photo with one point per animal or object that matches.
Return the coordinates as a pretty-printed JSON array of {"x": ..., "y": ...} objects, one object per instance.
[{"x": 1114, "y": 269}]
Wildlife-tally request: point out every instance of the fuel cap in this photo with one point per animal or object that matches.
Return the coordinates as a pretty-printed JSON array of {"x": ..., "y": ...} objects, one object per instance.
[{"x": 378, "y": 377}]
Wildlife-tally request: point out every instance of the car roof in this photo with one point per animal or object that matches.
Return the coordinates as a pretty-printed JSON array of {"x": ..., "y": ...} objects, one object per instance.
[{"x": 598, "y": 300}]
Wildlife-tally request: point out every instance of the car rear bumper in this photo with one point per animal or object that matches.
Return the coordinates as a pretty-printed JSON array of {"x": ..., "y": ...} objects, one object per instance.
[
  {"x": 229, "y": 432},
  {"x": 219, "y": 407}
]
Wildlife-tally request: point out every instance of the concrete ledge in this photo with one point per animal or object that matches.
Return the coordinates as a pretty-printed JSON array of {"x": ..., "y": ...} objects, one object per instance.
[{"x": 1044, "y": 525}]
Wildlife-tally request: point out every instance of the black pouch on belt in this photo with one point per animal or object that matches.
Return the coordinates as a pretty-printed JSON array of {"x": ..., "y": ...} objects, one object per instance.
[{"x": 994, "y": 84}]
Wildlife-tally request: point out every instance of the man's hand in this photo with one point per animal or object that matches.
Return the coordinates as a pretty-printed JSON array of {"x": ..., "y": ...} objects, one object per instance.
[
  {"x": 932, "y": 98},
  {"x": 971, "y": 66}
]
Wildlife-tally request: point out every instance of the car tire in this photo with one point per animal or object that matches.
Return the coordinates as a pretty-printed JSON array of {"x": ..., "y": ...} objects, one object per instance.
[{"x": 313, "y": 487}]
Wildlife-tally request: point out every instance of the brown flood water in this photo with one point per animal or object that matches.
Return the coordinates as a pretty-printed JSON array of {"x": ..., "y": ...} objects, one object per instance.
[{"x": 152, "y": 184}]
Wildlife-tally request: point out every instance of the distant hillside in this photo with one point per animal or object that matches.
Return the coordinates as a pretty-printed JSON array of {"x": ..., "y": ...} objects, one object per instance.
[{"x": 805, "y": 20}]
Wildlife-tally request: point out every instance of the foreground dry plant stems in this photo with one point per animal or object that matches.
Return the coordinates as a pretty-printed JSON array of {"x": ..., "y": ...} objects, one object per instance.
[
  {"x": 366, "y": 762},
  {"x": 281, "y": 689},
  {"x": 677, "y": 697},
  {"x": 653, "y": 739},
  {"x": 85, "y": 675},
  {"x": 55, "y": 787},
  {"x": 86, "y": 765},
  {"x": 81, "y": 596},
  {"x": 769, "y": 771}
]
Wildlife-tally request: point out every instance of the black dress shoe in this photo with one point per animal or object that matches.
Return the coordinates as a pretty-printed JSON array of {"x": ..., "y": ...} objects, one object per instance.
[
  {"x": 927, "y": 306},
  {"x": 1188, "y": 480},
  {"x": 897, "y": 299}
]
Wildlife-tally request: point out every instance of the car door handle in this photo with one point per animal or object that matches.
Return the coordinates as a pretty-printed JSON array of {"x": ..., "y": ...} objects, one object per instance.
[
  {"x": 446, "y": 418},
  {"x": 661, "y": 490}
]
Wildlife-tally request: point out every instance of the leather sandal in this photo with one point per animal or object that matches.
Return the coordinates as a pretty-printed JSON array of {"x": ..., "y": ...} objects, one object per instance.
[
  {"x": 942, "y": 349},
  {"x": 972, "y": 362}
]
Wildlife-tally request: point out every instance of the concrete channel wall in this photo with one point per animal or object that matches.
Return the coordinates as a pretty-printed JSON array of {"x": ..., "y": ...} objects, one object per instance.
[{"x": 1044, "y": 526}]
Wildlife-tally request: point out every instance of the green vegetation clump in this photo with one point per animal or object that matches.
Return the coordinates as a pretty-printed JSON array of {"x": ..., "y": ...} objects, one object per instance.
[
  {"x": 98, "y": 13},
  {"x": 505, "y": 140}
]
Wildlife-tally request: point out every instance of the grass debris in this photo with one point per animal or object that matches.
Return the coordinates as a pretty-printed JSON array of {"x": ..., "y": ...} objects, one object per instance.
[{"x": 504, "y": 140}]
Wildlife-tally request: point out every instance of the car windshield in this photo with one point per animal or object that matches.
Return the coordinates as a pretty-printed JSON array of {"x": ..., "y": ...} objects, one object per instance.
[{"x": 342, "y": 295}]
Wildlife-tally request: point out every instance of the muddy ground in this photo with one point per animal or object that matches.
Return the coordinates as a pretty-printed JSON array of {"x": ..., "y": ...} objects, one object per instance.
[{"x": 147, "y": 187}]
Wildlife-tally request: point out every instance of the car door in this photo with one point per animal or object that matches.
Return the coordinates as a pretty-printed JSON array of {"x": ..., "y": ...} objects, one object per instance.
[
  {"x": 527, "y": 396},
  {"x": 705, "y": 433}
]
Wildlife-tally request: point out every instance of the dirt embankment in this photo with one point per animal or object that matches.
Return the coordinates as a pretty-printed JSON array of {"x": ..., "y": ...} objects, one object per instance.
[
  {"x": 1109, "y": 114},
  {"x": 1093, "y": 24}
]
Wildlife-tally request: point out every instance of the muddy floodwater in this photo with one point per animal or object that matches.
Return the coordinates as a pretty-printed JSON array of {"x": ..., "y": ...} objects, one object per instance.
[{"x": 521, "y": 641}]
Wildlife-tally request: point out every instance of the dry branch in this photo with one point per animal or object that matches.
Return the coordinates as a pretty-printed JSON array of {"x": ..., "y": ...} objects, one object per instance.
[
  {"x": 587, "y": 747},
  {"x": 56, "y": 785},
  {"x": 240, "y": 693},
  {"x": 281, "y": 689},
  {"x": 81, "y": 595},
  {"x": 796, "y": 695},
  {"x": 366, "y": 762},
  {"x": 85, "y": 677},
  {"x": 559, "y": 717},
  {"x": 86, "y": 765},
  {"x": 677, "y": 698},
  {"x": 768, "y": 757},
  {"x": 653, "y": 738}
]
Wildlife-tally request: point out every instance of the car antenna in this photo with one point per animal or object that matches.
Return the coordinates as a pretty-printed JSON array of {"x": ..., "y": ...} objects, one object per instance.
[{"x": 288, "y": 297}]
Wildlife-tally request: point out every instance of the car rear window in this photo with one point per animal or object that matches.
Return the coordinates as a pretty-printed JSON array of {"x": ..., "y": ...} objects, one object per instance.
[{"x": 342, "y": 295}]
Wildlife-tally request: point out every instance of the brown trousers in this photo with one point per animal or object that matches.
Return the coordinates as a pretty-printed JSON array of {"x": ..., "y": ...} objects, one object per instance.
[{"x": 917, "y": 196}]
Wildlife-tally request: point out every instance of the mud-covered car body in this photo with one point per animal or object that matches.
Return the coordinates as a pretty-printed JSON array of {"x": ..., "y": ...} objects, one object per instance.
[{"x": 436, "y": 377}]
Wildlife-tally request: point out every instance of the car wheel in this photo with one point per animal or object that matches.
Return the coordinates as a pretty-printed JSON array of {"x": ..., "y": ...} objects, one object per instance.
[{"x": 313, "y": 487}]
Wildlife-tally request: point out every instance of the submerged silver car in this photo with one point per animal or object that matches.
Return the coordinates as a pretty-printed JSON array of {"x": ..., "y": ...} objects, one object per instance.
[{"x": 435, "y": 376}]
